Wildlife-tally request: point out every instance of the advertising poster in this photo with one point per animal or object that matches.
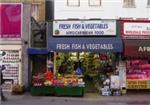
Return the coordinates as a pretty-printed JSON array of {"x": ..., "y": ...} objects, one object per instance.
[{"x": 10, "y": 20}]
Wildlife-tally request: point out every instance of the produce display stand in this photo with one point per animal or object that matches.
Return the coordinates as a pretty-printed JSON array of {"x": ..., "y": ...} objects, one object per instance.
[
  {"x": 69, "y": 91},
  {"x": 43, "y": 80},
  {"x": 42, "y": 90},
  {"x": 39, "y": 89},
  {"x": 57, "y": 91}
]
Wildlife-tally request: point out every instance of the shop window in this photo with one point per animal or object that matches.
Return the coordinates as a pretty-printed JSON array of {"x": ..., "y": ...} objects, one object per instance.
[
  {"x": 138, "y": 74},
  {"x": 129, "y": 3},
  {"x": 35, "y": 11},
  {"x": 148, "y": 3},
  {"x": 94, "y": 2},
  {"x": 138, "y": 69},
  {"x": 73, "y": 3}
]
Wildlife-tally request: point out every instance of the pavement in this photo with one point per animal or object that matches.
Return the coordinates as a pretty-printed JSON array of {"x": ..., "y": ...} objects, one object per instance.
[{"x": 88, "y": 99}]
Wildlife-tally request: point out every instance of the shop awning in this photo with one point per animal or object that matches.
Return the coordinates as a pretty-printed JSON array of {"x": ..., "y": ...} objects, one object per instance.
[
  {"x": 85, "y": 44},
  {"x": 37, "y": 51},
  {"x": 137, "y": 48}
]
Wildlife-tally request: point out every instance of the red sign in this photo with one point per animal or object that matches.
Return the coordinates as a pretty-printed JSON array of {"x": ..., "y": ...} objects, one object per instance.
[
  {"x": 10, "y": 20},
  {"x": 137, "y": 48},
  {"x": 135, "y": 29}
]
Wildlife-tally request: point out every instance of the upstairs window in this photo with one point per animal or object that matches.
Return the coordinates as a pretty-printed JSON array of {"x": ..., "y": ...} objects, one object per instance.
[
  {"x": 73, "y": 3},
  {"x": 129, "y": 3},
  {"x": 148, "y": 3},
  {"x": 35, "y": 11},
  {"x": 94, "y": 2}
]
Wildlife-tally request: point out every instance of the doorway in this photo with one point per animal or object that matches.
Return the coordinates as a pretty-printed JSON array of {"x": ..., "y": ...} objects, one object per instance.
[{"x": 95, "y": 67}]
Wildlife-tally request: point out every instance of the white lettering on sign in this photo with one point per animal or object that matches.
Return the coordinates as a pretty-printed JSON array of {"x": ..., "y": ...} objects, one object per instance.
[
  {"x": 81, "y": 28},
  {"x": 99, "y": 46},
  {"x": 76, "y": 46},
  {"x": 63, "y": 46},
  {"x": 84, "y": 46},
  {"x": 144, "y": 49}
]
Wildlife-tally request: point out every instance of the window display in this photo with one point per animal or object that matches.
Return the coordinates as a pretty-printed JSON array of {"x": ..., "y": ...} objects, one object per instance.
[
  {"x": 138, "y": 69},
  {"x": 138, "y": 74}
]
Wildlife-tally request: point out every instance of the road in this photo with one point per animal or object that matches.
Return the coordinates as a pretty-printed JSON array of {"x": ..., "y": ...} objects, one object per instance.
[{"x": 27, "y": 99}]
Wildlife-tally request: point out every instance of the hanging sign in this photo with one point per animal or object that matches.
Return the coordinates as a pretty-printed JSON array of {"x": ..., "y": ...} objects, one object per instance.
[{"x": 85, "y": 28}]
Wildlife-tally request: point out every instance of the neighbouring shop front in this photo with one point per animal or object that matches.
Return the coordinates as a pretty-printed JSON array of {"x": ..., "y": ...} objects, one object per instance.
[
  {"x": 11, "y": 48},
  {"x": 136, "y": 41},
  {"x": 75, "y": 62},
  {"x": 137, "y": 53}
]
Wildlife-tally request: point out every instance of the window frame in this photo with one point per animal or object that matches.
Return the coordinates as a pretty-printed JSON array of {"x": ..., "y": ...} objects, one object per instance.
[
  {"x": 129, "y": 3},
  {"x": 35, "y": 11},
  {"x": 70, "y": 5},
  {"x": 148, "y": 3},
  {"x": 89, "y": 3}
]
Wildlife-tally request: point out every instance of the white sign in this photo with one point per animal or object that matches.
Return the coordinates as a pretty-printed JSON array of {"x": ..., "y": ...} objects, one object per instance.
[
  {"x": 137, "y": 29},
  {"x": 84, "y": 28},
  {"x": 115, "y": 82}
]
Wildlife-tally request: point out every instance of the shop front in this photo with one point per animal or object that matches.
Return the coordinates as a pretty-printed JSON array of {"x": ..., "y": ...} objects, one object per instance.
[
  {"x": 11, "y": 46},
  {"x": 136, "y": 38},
  {"x": 95, "y": 59},
  {"x": 137, "y": 53},
  {"x": 68, "y": 75},
  {"x": 82, "y": 57}
]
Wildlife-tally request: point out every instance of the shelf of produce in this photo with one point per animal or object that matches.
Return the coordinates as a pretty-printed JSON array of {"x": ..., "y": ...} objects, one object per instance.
[
  {"x": 138, "y": 84},
  {"x": 42, "y": 90},
  {"x": 69, "y": 91}
]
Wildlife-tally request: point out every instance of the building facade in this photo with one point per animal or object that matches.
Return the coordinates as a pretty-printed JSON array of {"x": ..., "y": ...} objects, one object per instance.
[
  {"x": 134, "y": 32},
  {"x": 101, "y": 9}
]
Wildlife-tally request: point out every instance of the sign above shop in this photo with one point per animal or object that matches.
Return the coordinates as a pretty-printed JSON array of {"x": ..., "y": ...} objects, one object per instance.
[
  {"x": 136, "y": 29},
  {"x": 85, "y": 44},
  {"x": 84, "y": 28},
  {"x": 11, "y": 20},
  {"x": 137, "y": 48},
  {"x": 144, "y": 49},
  {"x": 90, "y": 46}
]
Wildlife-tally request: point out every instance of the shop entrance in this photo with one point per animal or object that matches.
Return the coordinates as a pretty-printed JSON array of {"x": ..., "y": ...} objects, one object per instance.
[{"x": 95, "y": 68}]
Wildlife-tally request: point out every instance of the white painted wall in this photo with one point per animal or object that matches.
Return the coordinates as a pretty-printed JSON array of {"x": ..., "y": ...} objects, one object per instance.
[{"x": 109, "y": 9}]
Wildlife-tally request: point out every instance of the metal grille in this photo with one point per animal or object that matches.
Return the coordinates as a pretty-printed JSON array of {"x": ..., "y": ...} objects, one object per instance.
[{"x": 38, "y": 33}]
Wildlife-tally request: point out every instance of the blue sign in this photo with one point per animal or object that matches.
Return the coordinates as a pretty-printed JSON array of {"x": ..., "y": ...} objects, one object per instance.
[{"x": 85, "y": 44}]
